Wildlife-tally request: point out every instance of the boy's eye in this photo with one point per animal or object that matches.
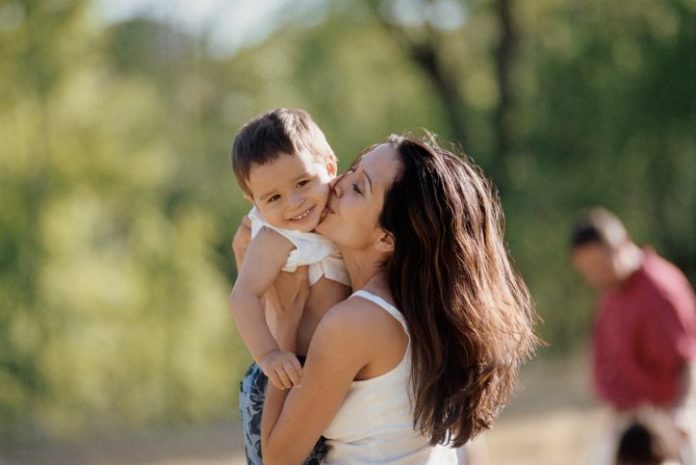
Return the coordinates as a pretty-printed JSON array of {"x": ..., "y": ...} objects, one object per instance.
[
  {"x": 273, "y": 198},
  {"x": 304, "y": 182}
]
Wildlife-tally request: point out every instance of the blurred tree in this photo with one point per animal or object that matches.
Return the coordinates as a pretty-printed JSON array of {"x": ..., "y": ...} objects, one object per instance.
[
  {"x": 606, "y": 109},
  {"x": 503, "y": 124},
  {"x": 113, "y": 310},
  {"x": 585, "y": 80},
  {"x": 423, "y": 41},
  {"x": 423, "y": 44},
  {"x": 32, "y": 67}
]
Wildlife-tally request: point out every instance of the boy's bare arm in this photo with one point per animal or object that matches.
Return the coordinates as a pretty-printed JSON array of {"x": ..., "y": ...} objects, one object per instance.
[{"x": 263, "y": 260}]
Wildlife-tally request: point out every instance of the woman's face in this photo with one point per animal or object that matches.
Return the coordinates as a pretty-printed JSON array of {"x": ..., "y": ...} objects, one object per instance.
[{"x": 356, "y": 201}]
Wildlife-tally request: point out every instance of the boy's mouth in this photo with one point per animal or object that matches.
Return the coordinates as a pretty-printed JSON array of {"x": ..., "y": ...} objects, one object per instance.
[{"x": 302, "y": 215}]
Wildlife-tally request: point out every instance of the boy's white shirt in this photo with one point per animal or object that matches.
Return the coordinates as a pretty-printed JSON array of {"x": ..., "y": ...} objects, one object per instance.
[{"x": 319, "y": 253}]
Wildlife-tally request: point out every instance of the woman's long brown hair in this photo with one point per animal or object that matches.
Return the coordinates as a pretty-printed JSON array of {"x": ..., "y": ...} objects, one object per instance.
[{"x": 469, "y": 314}]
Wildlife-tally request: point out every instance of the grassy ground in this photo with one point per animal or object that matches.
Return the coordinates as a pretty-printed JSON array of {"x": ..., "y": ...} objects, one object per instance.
[{"x": 551, "y": 421}]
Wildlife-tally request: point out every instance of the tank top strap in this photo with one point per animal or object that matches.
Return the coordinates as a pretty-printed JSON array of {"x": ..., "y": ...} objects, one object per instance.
[{"x": 386, "y": 306}]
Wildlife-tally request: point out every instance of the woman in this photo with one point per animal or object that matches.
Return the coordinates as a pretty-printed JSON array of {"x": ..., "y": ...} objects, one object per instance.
[{"x": 425, "y": 353}]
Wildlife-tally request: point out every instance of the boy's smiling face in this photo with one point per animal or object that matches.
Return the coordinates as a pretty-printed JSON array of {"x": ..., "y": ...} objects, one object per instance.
[{"x": 291, "y": 191}]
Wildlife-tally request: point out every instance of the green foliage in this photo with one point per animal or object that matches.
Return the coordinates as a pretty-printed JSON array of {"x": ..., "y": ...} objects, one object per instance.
[
  {"x": 118, "y": 203},
  {"x": 608, "y": 122},
  {"x": 114, "y": 307}
]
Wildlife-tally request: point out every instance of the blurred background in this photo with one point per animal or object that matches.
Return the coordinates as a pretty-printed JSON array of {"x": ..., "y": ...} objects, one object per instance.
[{"x": 118, "y": 203}]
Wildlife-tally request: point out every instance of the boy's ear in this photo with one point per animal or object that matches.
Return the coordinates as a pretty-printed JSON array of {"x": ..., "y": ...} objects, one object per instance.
[
  {"x": 385, "y": 242},
  {"x": 248, "y": 198},
  {"x": 332, "y": 167}
]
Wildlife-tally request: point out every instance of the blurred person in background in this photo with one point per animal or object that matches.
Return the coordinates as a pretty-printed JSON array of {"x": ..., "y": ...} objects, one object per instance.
[{"x": 644, "y": 337}]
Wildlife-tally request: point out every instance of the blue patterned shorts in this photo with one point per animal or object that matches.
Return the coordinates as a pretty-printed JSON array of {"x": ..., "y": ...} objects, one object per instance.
[{"x": 252, "y": 393}]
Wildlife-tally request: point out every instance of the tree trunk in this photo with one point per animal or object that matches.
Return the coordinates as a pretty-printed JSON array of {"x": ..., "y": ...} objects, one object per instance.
[
  {"x": 502, "y": 118},
  {"x": 426, "y": 54}
]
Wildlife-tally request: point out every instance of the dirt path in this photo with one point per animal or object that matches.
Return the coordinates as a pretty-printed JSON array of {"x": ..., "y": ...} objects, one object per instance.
[
  {"x": 551, "y": 421},
  {"x": 208, "y": 445},
  {"x": 557, "y": 436}
]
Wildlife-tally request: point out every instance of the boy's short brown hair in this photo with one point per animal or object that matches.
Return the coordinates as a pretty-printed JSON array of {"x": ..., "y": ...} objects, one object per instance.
[{"x": 283, "y": 130}]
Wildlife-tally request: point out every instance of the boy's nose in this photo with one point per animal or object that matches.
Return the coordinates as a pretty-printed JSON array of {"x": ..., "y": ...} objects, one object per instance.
[{"x": 296, "y": 199}]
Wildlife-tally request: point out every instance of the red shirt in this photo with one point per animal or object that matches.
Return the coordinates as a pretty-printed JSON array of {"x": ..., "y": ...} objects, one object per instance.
[{"x": 644, "y": 334}]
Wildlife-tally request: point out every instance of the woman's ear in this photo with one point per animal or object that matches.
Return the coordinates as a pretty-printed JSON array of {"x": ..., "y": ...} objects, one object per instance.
[{"x": 385, "y": 242}]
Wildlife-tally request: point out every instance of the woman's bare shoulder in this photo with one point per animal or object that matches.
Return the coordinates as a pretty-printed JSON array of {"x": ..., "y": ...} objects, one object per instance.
[
  {"x": 358, "y": 317},
  {"x": 360, "y": 333}
]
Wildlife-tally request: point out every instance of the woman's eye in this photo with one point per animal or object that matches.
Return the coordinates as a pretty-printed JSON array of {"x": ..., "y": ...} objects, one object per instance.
[
  {"x": 273, "y": 198},
  {"x": 356, "y": 188}
]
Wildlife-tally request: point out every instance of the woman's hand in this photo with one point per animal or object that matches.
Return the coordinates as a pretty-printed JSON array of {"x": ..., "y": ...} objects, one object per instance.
[{"x": 287, "y": 297}]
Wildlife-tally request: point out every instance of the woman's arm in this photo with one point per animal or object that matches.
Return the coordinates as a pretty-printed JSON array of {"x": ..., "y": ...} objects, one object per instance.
[
  {"x": 287, "y": 298},
  {"x": 292, "y": 422}
]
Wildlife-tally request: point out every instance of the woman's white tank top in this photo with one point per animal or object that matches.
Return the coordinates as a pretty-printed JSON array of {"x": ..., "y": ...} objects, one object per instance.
[{"x": 374, "y": 425}]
